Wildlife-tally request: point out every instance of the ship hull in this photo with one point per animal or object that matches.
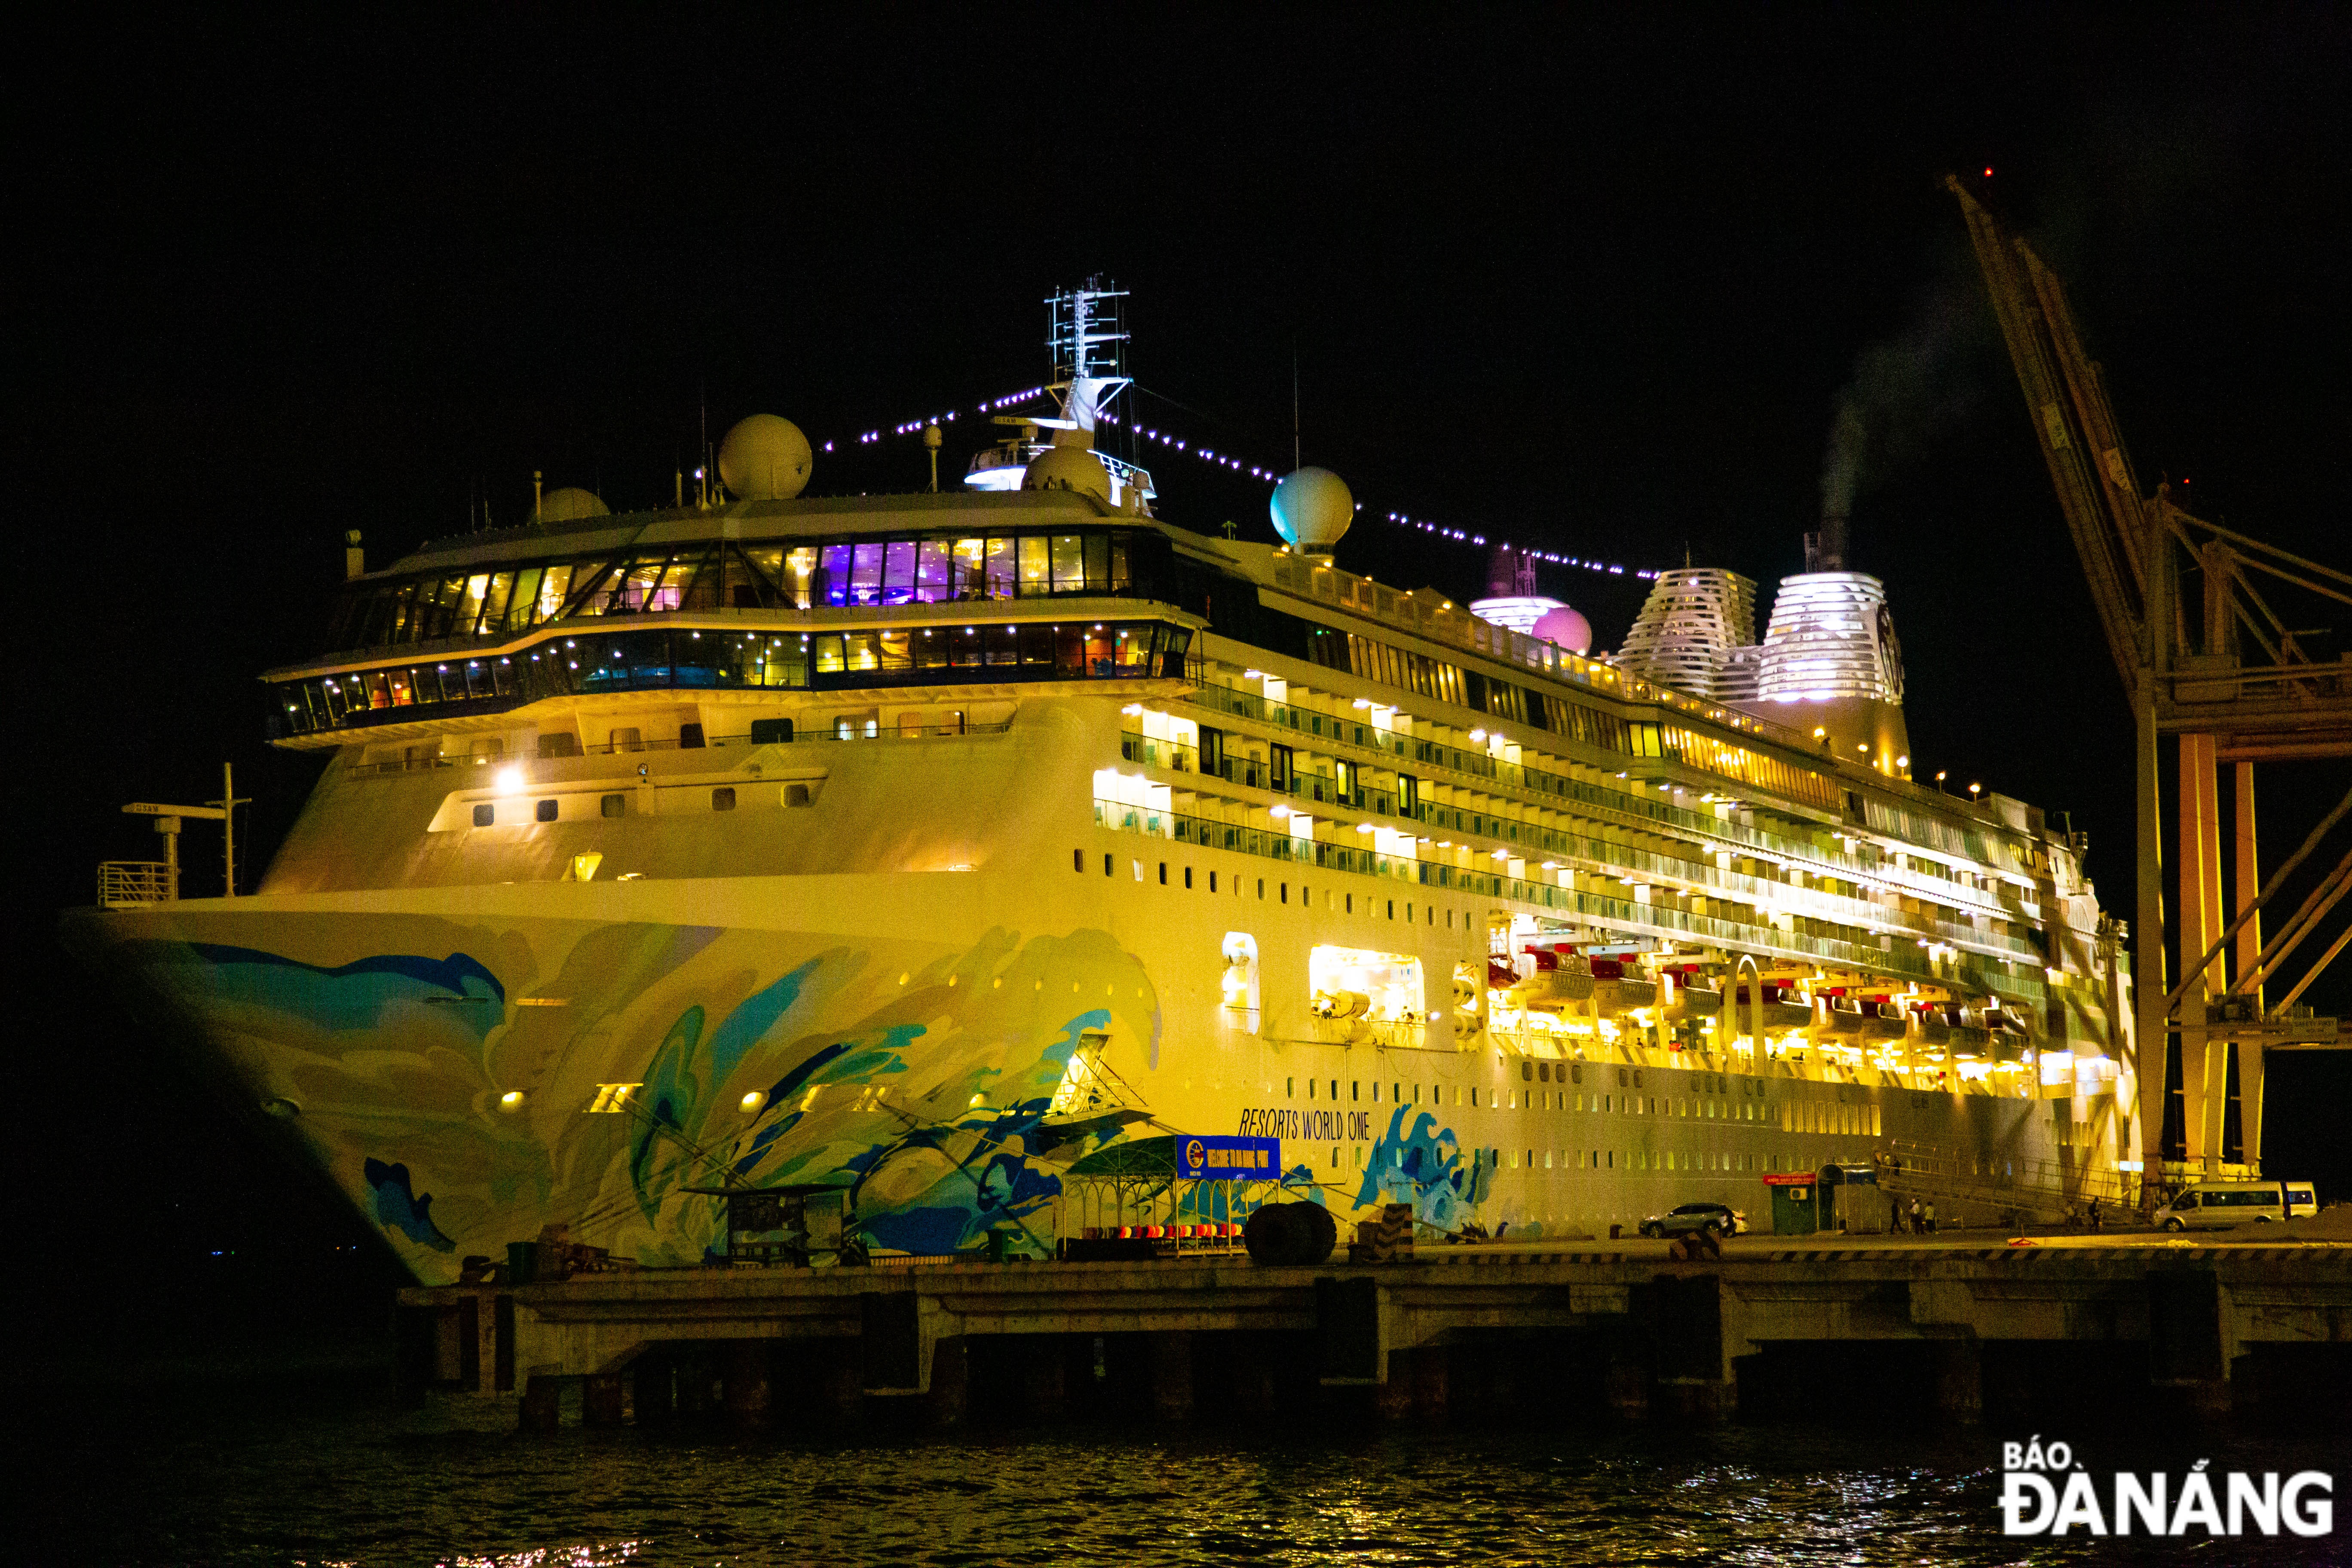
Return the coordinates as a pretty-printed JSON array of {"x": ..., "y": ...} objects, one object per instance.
[{"x": 441, "y": 1056}]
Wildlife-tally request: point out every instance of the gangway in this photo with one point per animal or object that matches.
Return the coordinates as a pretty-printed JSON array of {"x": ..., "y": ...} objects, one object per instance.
[{"x": 2052, "y": 1190}]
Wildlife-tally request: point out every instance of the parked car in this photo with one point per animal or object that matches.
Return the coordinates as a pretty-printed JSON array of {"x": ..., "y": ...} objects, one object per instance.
[{"x": 1720, "y": 1218}]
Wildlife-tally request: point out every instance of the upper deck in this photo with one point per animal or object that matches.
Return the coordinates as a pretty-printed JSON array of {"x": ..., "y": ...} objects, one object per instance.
[{"x": 835, "y": 594}]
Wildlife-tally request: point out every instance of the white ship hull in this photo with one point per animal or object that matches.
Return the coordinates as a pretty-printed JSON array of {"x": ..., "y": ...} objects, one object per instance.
[{"x": 437, "y": 1050}]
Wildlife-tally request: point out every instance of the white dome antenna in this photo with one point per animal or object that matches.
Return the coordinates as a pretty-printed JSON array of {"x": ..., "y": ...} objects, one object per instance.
[
  {"x": 1312, "y": 510},
  {"x": 764, "y": 459},
  {"x": 1068, "y": 466},
  {"x": 572, "y": 503}
]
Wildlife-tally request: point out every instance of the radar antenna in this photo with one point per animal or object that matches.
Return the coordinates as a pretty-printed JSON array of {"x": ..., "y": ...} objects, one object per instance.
[{"x": 1087, "y": 336}]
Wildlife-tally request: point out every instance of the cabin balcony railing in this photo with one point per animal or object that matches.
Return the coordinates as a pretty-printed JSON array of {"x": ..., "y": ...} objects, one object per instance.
[
  {"x": 134, "y": 884},
  {"x": 1305, "y": 784},
  {"x": 1481, "y": 768},
  {"x": 1903, "y": 958}
]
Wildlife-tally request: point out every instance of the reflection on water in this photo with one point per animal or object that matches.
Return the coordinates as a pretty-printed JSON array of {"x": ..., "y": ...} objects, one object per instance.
[{"x": 214, "y": 1476}]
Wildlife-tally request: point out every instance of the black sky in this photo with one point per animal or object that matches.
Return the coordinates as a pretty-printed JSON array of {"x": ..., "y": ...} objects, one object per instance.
[{"x": 1587, "y": 283}]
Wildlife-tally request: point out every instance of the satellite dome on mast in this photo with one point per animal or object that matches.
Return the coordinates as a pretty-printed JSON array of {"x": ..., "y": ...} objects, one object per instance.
[
  {"x": 764, "y": 459},
  {"x": 1312, "y": 510}
]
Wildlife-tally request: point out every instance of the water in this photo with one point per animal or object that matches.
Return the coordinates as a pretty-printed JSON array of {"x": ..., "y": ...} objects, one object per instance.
[{"x": 279, "y": 1464}]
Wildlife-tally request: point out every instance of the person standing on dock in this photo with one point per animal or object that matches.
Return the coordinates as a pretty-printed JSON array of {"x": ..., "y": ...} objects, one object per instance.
[
  {"x": 1914, "y": 1217},
  {"x": 1931, "y": 1219}
]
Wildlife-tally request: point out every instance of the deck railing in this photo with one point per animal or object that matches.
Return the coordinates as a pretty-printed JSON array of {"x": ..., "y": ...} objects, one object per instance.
[
  {"x": 716, "y": 742},
  {"x": 134, "y": 884},
  {"x": 1905, "y": 959},
  {"x": 1324, "y": 789}
]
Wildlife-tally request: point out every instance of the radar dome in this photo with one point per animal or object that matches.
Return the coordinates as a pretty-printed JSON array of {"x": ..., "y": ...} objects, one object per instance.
[
  {"x": 571, "y": 503},
  {"x": 1067, "y": 469},
  {"x": 764, "y": 459},
  {"x": 1312, "y": 509},
  {"x": 1566, "y": 628}
]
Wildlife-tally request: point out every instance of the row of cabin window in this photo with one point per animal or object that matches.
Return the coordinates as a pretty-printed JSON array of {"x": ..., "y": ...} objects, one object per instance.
[
  {"x": 1372, "y": 659},
  {"x": 690, "y": 659},
  {"x": 722, "y": 798},
  {"x": 742, "y": 577},
  {"x": 1338, "y": 902}
]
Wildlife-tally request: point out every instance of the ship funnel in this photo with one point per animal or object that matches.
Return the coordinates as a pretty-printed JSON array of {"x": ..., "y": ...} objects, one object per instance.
[{"x": 1826, "y": 550}]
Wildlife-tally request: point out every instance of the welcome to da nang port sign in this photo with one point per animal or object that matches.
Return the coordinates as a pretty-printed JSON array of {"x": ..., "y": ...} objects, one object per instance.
[{"x": 1205, "y": 1158}]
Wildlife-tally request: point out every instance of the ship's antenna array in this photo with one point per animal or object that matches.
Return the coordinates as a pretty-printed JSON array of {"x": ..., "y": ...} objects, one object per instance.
[{"x": 1086, "y": 335}]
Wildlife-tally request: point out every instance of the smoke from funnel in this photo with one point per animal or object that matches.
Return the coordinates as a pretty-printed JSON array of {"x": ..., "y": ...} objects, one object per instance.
[{"x": 1906, "y": 389}]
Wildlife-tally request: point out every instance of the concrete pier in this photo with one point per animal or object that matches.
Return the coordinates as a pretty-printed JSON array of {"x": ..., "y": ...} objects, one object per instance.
[{"x": 1468, "y": 1334}]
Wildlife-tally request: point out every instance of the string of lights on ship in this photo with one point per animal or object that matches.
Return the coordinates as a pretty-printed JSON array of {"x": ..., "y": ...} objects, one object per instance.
[{"x": 1168, "y": 441}]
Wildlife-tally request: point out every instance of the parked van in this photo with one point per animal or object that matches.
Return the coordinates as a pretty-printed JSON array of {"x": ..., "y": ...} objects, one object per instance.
[{"x": 2215, "y": 1206}]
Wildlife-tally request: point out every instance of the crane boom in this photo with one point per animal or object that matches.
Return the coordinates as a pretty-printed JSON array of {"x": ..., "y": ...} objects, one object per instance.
[{"x": 2072, "y": 421}]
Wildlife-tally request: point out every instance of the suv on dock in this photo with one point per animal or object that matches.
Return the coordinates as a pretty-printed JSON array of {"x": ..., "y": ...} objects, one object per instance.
[{"x": 1720, "y": 1218}]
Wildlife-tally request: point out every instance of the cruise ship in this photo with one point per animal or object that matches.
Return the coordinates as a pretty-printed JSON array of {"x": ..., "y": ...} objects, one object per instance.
[{"x": 940, "y": 846}]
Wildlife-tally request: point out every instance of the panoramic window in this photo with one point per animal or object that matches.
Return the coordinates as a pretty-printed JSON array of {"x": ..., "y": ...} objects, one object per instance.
[{"x": 617, "y": 660}]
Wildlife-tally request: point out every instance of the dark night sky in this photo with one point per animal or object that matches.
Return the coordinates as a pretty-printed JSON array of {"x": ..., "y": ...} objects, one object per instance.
[{"x": 1587, "y": 285}]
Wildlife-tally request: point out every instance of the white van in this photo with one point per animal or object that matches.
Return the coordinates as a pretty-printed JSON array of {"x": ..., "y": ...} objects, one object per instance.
[{"x": 2216, "y": 1206}]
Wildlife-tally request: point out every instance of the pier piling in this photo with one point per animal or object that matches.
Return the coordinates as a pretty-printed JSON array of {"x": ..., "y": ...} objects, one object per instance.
[
  {"x": 747, "y": 1386},
  {"x": 652, "y": 1390},
  {"x": 1960, "y": 1378},
  {"x": 1172, "y": 1374},
  {"x": 599, "y": 1399},
  {"x": 542, "y": 1402},
  {"x": 1971, "y": 1334}
]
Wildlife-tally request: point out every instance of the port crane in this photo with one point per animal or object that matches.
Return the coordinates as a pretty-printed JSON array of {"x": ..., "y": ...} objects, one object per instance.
[{"x": 2185, "y": 650}]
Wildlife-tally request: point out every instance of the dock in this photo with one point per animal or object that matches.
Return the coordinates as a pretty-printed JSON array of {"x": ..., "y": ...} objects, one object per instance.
[{"x": 2204, "y": 1329}]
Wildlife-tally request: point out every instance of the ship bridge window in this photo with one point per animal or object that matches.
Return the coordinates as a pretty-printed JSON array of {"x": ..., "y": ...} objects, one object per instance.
[
  {"x": 690, "y": 660},
  {"x": 865, "y": 572}
]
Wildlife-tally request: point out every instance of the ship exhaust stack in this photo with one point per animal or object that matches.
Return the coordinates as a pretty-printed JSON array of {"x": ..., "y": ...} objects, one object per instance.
[{"x": 1826, "y": 550}]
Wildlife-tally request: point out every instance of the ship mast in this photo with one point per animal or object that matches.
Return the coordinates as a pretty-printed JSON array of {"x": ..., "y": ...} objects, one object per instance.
[{"x": 1087, "y": 337}]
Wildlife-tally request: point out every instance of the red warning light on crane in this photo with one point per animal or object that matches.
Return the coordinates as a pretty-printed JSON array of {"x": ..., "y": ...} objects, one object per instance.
[{"x": 1988, "y": 171}]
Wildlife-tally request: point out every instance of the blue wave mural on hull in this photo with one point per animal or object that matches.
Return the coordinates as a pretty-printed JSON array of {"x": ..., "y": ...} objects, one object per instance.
[
  {"x": 352, "y": 997},
  {"x": 402, "y": 1208},
  {"x": 1422, "y": 1165}
]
